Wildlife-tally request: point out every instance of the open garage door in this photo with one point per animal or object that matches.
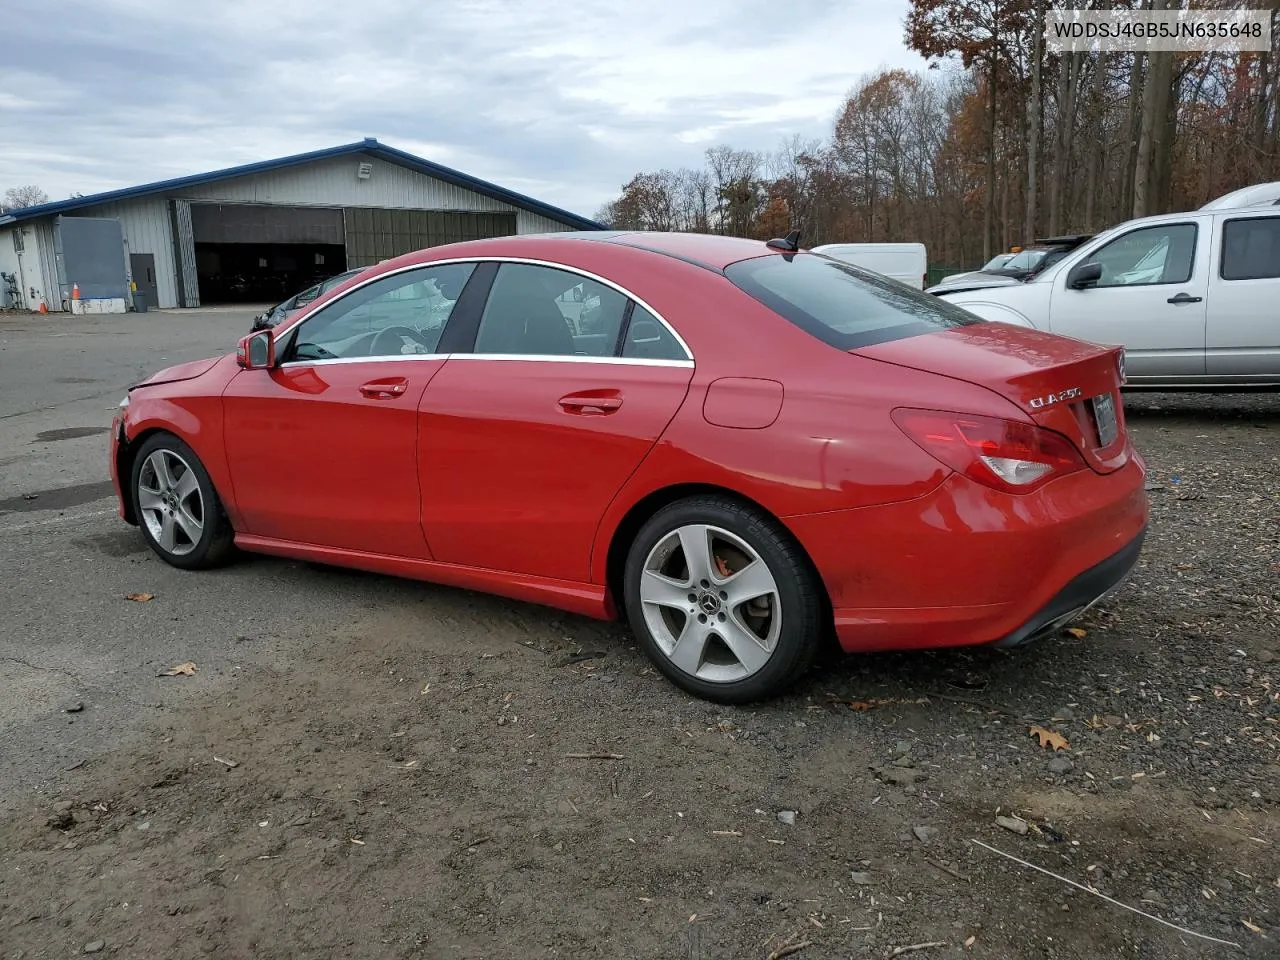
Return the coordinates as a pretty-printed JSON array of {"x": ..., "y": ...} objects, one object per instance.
[
  {"x": 374, "y": 235},
  {"x": 260, "y": 253}
]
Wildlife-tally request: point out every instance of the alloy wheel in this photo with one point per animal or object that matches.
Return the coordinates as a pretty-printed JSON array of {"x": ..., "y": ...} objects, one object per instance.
[
  {"x": 711, "y": 603},
  {"x": 170, "y": 502}
]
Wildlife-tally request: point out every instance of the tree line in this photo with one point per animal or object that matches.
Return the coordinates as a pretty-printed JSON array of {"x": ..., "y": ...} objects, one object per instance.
[{"x": 998, "y": 142}]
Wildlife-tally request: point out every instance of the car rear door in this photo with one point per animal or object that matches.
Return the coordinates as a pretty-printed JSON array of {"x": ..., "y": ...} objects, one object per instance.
[
  {"x": 524, "y": 440},
  {"x": 1150, "y": 299},
  {"x": 1243, "y": 317},
  {"x": 322, "y": 448}
]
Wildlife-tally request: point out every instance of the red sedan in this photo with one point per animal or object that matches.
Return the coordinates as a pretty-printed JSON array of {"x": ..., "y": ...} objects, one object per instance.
[{"x": 740, "y": 448}]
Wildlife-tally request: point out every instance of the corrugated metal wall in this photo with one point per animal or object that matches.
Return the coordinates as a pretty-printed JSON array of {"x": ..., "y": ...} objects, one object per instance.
[
  {"x": 148, "y": 222},
  {"x": 146, "y": 230},
  {"x": 374, "y": 235},
  {"x": 48, "y": 262},
  {"x": 333, "y": 183},
  {"x": 527, "y": 222}
]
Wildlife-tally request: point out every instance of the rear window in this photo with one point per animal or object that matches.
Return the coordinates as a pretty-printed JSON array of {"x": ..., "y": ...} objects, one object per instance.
[{"x": 840, "y": 304}]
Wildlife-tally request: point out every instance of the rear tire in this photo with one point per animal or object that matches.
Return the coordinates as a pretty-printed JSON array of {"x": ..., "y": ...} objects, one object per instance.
[
  {"x": 179, "y": 512},
  {"x": 723, "y": 600}
]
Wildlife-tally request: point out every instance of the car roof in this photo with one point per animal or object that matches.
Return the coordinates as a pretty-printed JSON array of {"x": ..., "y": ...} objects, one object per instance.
[{"x": 711, "y": 251}]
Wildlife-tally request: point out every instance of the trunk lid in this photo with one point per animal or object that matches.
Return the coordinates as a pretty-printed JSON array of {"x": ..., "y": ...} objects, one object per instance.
[{"x": 1061, "y": 384}]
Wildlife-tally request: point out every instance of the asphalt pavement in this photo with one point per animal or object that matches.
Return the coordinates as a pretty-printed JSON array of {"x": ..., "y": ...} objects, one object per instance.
[{"x": 78, "y": 661}]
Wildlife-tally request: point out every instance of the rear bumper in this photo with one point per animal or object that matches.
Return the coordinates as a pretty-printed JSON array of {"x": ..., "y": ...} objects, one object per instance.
[
  {"x": 1079, "y": 595},
  {"x": 965, "y": 565}
]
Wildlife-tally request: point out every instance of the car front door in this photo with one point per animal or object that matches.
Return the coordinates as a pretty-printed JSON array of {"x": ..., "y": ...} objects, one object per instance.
[
  {"x": 1150, "y": 298},
  {"x": 322, "y": 447},
  {"x": 525, "y": 440},
  {"x": 1244, "y": 315}
]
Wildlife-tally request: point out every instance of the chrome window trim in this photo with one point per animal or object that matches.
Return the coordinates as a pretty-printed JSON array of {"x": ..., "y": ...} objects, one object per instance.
[
  {"x": 527, "y": 357},
  {"x": 531, "y": 261}
]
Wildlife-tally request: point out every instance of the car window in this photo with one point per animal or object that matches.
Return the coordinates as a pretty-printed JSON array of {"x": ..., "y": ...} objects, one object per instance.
[
  {"x": 840, "y": 304},
  {"x": 544, "y": 311},
  {"x": 404, "y": 313},
  {"x": 648, "y": 339},
  {"x": 1025, "y": 260},
  {"x": 1251, "y": 249},
  {"x": 1147, "y": 256}
]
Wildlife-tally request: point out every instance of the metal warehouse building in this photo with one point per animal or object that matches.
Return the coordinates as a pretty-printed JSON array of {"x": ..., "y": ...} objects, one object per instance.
[{"x": 252, "y": 234}]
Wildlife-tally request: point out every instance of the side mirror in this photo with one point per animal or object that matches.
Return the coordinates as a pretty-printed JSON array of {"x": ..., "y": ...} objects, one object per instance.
[
  {"x": 1084, "y": 275},
  {"x": 257, "y": 351}
]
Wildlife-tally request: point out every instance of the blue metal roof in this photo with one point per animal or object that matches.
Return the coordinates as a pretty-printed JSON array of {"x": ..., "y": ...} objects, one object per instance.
[{"x": 368, "y": 146}]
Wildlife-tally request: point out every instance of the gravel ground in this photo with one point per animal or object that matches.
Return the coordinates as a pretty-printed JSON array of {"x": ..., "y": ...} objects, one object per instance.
[{"x": 367, "y": 767}]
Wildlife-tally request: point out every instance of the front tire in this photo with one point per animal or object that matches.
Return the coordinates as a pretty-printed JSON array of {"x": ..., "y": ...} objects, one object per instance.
[
  {"x": 178, "y": 510},
  {"x": 723, "y": 600}
]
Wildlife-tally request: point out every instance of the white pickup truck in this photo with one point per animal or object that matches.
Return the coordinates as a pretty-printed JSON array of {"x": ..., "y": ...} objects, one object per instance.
[{"x": 1194, "y": 297}]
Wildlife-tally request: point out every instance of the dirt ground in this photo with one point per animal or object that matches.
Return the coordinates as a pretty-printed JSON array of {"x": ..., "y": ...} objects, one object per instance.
[{"x": 469, "y": 778}]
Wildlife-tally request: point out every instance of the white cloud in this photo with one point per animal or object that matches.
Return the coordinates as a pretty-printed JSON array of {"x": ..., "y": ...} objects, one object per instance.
[{"x": 565, "y": 102}]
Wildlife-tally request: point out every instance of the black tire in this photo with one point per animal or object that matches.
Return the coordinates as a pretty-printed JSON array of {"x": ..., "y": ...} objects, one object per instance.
[
  {"x": 215, "y": 545},
  {"x": 803, "y": 610}
]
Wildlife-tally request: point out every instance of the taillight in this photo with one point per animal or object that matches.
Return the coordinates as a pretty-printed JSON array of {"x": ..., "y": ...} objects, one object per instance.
[{"x": 1010, "y": 455}]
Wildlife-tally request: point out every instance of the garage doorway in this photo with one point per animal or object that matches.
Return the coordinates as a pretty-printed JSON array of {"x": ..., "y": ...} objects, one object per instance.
[{"x": 259, "y": 253}]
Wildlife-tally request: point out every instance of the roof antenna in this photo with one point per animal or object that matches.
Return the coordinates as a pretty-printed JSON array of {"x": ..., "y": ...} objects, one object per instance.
[{"x": 791, "y": 242}]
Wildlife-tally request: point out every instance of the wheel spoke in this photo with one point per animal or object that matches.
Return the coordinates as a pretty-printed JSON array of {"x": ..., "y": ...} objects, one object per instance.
[
  {"x": 167, "y": 527},
  {"x": 663, "y": 591},
  {"x": 164, "y": 471},
  {"x": 149, "y": 499},
  {"x": 192, "y": 527},
  {"x": 186, "y": 485},
  {"x": 753, "y": 580},
  {"x": 689, "y": 648},
  {"x": 744, "y": 644},
  {"x": 695, "y": 541}
]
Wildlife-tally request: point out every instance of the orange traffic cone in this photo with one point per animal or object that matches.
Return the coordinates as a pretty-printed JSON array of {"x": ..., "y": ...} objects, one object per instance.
[
  {"x": 44, "y": 307},
  {"x": 75, "y": 291}
]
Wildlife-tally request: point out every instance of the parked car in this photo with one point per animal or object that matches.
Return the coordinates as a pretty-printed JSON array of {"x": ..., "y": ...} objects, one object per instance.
[
  {"x": 752, "y": 449},
  {"x": 1191, "y": 297},
  {"x": 905, "y": 262},
  {"x": 281, "y": 311},
  {"x": 999, "y": 260},
  {"x": 1027, "y": 263}
]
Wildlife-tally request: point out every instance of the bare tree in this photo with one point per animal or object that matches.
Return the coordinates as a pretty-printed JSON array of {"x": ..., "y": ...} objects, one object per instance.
[{"x": 15, "y": 198}]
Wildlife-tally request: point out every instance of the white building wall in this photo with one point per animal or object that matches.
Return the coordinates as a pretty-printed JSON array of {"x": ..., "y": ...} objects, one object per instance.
[
  {"x": 325, "y": 183},
  {"x": 147, "y": 229},
  {"x": 333, "y": 183},
  {"x": 527, "y": 222}
]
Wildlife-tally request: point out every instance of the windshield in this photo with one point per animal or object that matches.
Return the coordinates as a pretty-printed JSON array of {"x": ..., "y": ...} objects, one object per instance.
[
  {"x": 1026, "y": 260},
  {"x": 997, "y": 261},
  {"x": 840, "y": 304}
]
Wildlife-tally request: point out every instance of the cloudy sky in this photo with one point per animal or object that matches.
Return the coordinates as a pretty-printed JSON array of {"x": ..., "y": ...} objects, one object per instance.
[{"x": 562, "y": 100}]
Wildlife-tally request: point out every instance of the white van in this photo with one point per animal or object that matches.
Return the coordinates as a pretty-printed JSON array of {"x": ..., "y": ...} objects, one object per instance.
[{"x": 905, "y": 262}]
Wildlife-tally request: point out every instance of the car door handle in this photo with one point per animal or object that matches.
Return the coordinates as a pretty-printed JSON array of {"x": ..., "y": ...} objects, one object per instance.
[
  {"x": 584, "y": 403},
  {"x": 1185, "y": 298},
  {"x": 390, "y": 387}
]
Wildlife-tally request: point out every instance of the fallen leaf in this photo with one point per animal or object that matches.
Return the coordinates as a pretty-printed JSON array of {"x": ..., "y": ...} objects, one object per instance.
[
  {"x": 1077, "y": 632},
  {"x": 182, "y": 669},
  {"x": 971, "y": 941},
  {"x": 140, "y": 597},
  {"x": 360, "y": 842},
  {"x": 860, "y": 704},
  {"x": 1253, "y": 927},
  {"x": 1050, "y": 738}
]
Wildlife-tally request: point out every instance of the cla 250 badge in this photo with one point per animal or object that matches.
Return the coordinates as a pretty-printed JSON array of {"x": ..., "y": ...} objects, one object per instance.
[{"x": 1052, "y": 398}]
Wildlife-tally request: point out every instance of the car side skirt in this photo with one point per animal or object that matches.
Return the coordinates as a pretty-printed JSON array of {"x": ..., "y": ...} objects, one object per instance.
[{"x": 585, "y": 599}]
